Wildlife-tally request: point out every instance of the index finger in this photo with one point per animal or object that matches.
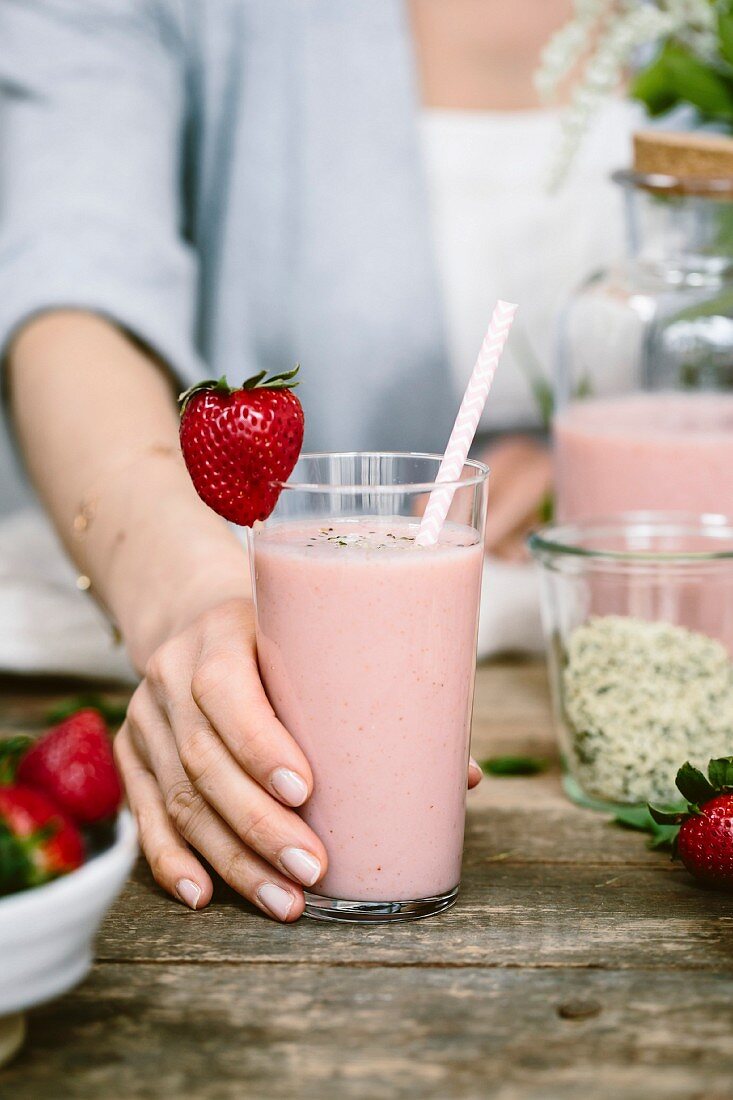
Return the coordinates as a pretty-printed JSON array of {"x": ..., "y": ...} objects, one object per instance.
[{"x": 227, "y": 689}]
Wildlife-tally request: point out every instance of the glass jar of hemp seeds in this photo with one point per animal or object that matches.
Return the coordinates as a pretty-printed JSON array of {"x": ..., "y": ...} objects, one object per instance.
[{"x": 638, "y": 616}]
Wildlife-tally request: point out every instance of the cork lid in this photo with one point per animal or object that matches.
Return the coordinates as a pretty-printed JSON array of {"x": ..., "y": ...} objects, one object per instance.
[{"x": 692, "y": 159}]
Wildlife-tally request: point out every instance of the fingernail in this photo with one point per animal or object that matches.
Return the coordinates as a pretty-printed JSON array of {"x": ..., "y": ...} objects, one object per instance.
[
  {"x": 278, "y": 901},
  {"x": 188, "y": 892},
  {"x": 475, "y": 765},
  {"x": 303, "y": 865},
  {"x": 291, "y": 787}
]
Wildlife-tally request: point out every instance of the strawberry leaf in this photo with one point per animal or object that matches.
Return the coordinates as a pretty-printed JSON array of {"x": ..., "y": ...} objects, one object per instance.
[
  {"x": 720, "y": 772},
  {"x": 693, "y": 785},
  {"x": 219, "y": 384},
  {"x": 12, "y": 749},
  {"x": 16, "y": 869},
  {"x": 111, "y": 710},
  {"x": 640, "y": 818},
  {"x": 665, "y": 840},
  {"x": 513, "y": 765},
  {"x": 665, "y": 817},
  {"x": 253, "y": 382},
  {"x": 282, "y": 381}
]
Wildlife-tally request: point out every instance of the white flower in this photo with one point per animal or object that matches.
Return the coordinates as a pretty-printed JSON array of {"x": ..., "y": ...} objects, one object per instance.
[
  {"x": 602, "y": 39},
  {"x": 567, "y": 46}
]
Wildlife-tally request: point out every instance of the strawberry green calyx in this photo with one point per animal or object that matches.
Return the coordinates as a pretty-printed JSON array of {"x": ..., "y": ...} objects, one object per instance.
[
  {"x": 12, "y": 750},
  {"x": 720, "y": 774},
  {"x": 218, "y": 385},
  {"x": 16, "y": 868},
  {"x": 283, "y": 381},
  {"x": 697, "y": 789}
]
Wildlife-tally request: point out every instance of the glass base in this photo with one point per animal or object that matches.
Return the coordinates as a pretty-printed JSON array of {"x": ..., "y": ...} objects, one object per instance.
[{"x": 376, "y": 912}]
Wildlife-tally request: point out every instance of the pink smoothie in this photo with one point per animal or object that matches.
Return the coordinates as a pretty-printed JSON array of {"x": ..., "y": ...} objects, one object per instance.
[
  {"x": 367, "y": 648},
  {"x": 657, "y": 451}
]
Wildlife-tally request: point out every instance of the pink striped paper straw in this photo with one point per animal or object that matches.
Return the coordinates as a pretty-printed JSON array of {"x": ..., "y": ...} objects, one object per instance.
[{"x": 466, "y": 423}]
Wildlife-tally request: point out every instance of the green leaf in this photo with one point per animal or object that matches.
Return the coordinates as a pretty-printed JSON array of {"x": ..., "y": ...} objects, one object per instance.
[
  {"x": 15, "y": 866},
  {"x": 12, "y": 749},
  {"x": 513, "y": 765},
  {"x": 634, "y": 817},
  {"x": 653, "y": 87},
  {"x": 725, "y": 34},
  {"x": 111, "y": 710},
  {"x": 720, "y": 772},
  {"x": 665, "y": 840},
  {"x": 693, "y": 785},
  {"x": 282, "y": 381},
  {"x": 640, "y": 819},
  {"x": 220, "y": 385},
  {"x": 699, "y": 84},
  {"x": 667, "y": 817}
]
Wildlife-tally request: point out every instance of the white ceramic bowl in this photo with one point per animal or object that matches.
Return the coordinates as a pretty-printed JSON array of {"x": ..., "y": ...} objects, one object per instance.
[{"x": 47, "y": 934}]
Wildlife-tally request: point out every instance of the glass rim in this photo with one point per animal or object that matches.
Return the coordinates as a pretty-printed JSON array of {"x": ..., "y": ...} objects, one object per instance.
[
  {"x": 555, "y": 538},
  {"x": 681, "y": 186},
  {"x": 482, "y": 472}
]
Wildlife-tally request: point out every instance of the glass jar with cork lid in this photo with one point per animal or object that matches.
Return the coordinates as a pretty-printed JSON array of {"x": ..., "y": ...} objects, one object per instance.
[{"x": 644, "y": 383}]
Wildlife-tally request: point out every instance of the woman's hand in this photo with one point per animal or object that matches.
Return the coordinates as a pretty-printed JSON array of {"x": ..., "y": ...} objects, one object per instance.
[
  {"x": 207, "y": 764},
  {"x": 519, "y": 486}
]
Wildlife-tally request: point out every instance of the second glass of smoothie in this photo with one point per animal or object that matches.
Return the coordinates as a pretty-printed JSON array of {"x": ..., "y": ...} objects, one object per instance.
[{"x": 367, "y": 650}]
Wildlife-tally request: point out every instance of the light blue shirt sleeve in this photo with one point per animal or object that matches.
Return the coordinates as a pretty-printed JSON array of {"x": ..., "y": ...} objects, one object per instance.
[{"x": 92, "y": 116}]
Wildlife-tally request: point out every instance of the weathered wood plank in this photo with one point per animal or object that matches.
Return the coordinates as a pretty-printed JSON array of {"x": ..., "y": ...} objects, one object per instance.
[
  {"x": 577, "y": 964},
  {"x": 276, "y": 1032},
  {"x": 26, "y": 700},
  {"x": 510, "y": 915},
  {"x": 509, "y": 821}
]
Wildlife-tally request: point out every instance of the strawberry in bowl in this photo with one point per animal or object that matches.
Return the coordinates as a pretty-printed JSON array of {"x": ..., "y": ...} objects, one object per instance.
[
  {"x": 239, "y": 444},
  {"x": 65, "y": 852},
  {"x": 37, "y": 841},
  {"x": 73, "y": 764}
]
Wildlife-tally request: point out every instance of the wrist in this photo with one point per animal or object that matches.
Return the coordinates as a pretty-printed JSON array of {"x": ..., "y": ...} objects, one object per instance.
[
  {"x": 173, "y": 566},
  {"x": 149, "y": 619},
  {"x": 149, "y": 624}
]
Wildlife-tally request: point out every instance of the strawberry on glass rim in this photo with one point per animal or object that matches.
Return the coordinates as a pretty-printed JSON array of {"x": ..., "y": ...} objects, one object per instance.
[{"x": 240, "y": 444}]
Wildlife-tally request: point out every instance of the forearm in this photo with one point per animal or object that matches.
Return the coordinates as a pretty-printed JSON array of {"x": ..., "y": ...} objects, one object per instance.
[{"x": 97, "y": 423}]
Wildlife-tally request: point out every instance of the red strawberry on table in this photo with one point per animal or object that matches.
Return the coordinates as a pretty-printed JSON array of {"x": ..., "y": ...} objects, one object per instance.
[
  {"x": 238, "y": 444},
  {"x": 705, "y": 842},
  {"x": 705, "y": 839},
  {"x": 73, "y": 765},
  {"x": 37, "y": 842}
]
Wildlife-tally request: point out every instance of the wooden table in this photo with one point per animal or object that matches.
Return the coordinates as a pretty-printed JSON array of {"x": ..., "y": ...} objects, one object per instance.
[{"x": 576, "y": 964}]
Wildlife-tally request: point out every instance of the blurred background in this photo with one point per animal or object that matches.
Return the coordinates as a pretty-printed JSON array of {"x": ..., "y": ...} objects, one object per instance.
[{"x": 239, "y": 186}]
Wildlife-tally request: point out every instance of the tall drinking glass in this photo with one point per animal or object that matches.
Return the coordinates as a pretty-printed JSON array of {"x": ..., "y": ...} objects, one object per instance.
[{"x": 367, "y": 650}]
